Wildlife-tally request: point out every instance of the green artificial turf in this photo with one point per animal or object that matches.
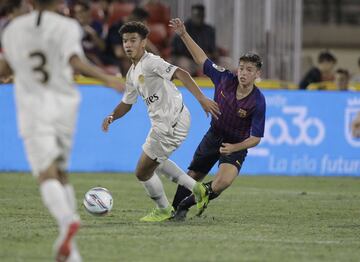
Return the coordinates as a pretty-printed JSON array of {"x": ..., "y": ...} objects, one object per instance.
[{"x": 259, "y": 218}]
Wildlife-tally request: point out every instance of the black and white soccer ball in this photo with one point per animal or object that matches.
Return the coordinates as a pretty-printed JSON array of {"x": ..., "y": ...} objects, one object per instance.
[{"x": 98, "y": 201}]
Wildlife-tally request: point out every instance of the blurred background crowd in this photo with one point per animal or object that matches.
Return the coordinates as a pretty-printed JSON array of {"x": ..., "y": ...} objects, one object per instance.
[{"x": 305, "y": 44}]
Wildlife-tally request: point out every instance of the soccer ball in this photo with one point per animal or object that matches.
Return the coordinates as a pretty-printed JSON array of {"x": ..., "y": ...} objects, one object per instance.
[{"x": 98, "y": 201}]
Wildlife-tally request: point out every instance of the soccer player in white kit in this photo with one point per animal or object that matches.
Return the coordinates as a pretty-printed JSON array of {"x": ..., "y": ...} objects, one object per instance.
[
  {"x": 41, "y": 49},
  {"x": 150, "y": 77}
]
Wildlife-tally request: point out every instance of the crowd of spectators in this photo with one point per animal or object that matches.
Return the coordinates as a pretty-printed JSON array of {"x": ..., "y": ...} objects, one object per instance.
[
  {"x": 325, "y": 76},
  {"x": 101, "y": 20}
]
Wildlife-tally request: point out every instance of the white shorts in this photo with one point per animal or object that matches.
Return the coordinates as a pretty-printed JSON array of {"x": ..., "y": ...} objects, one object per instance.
[
  {"x": 43, "y": 150},
  {"x": 159, "y": 146}
]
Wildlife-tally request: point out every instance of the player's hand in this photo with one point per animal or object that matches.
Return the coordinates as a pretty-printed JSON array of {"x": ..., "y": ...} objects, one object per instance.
[
  {"x": 210, "y": 106},
  {"x": 178, "y": 26},
  {"x": 6, "y": 79},
  {"x": 115, "y": 83},
  {"x": 107, "y": 121},
  {"x": 227, "y": 148}
]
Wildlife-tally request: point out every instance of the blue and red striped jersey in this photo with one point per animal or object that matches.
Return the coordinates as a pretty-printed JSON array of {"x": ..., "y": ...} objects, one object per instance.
[{"x": 239, "y": 118}]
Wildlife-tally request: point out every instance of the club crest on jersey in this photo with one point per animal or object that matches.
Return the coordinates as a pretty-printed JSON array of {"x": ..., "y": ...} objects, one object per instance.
[
  {"x": 218, "y": 68},
  {"x": 141, "y": 79},
  {"x": 242, "y": 113}
]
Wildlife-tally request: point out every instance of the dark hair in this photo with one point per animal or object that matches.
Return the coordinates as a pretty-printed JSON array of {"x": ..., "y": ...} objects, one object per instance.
[
  {"x": 9, "y": 6},
  {"x": 199, "y": 7},
  {"x": 139, "y": 14},
  {"x": 343, "y": 71},
  {"x": 252, "y": 58},
  {"x": 359, "y": 61},
  {"x": 326, "y": 56},
  {"x": 134, "y": 27}
]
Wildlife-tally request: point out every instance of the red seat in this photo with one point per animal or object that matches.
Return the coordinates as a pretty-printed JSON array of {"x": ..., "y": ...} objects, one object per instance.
[
  {"x": 118, "y": 11},
  {"x": 158, "y": 34}
]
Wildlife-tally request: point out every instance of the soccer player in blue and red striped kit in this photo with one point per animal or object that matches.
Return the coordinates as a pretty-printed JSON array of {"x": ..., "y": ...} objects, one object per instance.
[{"x": 239, "y": 127}]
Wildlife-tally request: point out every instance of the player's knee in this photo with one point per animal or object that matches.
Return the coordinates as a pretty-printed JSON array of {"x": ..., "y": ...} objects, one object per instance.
[
  {"x": 141, "y": 175},
  {"x": 48, "y": 174},
  {"x": 63, "y": 177},
  {"x": 41, "y": 178},
  {"x": 196, "y": 175}
]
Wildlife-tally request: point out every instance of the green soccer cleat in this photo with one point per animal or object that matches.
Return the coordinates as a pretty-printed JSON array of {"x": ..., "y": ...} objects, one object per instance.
[
  {"x": 201, "y": 197},
  {"x": 159, "y": 214}
]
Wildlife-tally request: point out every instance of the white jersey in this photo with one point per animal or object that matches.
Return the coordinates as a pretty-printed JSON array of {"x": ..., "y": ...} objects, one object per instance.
[
  {"x": 38, "y": 49},
  {"x": 151, "y": 79}
]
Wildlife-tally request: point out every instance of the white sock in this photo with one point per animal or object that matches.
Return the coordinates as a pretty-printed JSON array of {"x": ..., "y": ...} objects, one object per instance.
[
  {"x": 154, "y": 189},
  {"x": 176, "y": 174},
  {"x": 70, "y": 196},
  {"x": 54, "y": 198}
]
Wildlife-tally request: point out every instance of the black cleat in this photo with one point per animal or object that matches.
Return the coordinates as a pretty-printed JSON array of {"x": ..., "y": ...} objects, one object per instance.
[
  {"x": 181, "y": 212},
  {"x": 180, "y": 215}
]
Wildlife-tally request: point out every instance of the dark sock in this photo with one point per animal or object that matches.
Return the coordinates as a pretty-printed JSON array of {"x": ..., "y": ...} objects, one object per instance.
[
  {"x": 190, "y": 200},
  {"x": 181, "y": 193},
  {"x": 187, "y": 202}
]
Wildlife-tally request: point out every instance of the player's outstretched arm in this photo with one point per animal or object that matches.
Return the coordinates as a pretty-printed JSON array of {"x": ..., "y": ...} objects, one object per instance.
[
  {"x": 118, "y": 112},
  {"x": 207, "y": 104},
  {"x": 197, "y": 53},
  {"x": 95, "y": 72}
]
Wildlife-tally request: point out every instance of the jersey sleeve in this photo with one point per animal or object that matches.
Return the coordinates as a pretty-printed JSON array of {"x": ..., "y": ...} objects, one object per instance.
[
  {"x": 213, "y": 71},
  {"x": 160, "y": 67},
  {"x": 258, "y": 119},
  {"x": 130, "y": 94},
  {"x": 72, "y": 41}
]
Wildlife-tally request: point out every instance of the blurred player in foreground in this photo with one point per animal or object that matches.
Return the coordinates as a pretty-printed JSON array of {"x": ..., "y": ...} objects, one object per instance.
[
  {"x": 42, "y": 49},
  {"x": 239, "y": 127},
  {"x": 150, "y": 77}
]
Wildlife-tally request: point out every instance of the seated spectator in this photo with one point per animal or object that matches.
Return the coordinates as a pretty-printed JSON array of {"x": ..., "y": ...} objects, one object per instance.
[
  {"x": 92, "y": 41},
  {"x": 324, "y": 71},
  {"x": 340, "y": 83},
  {"x": 10, "y": 9},
  {"x": 63, "y": 8},
  {"x": 101, "y": 10},
  {"x": 203, "y": 34},
  {"x": 342, "y": 80}
]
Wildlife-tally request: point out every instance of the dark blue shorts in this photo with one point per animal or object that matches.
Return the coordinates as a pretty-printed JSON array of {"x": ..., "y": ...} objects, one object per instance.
[{"x": 207, "y": 154}]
